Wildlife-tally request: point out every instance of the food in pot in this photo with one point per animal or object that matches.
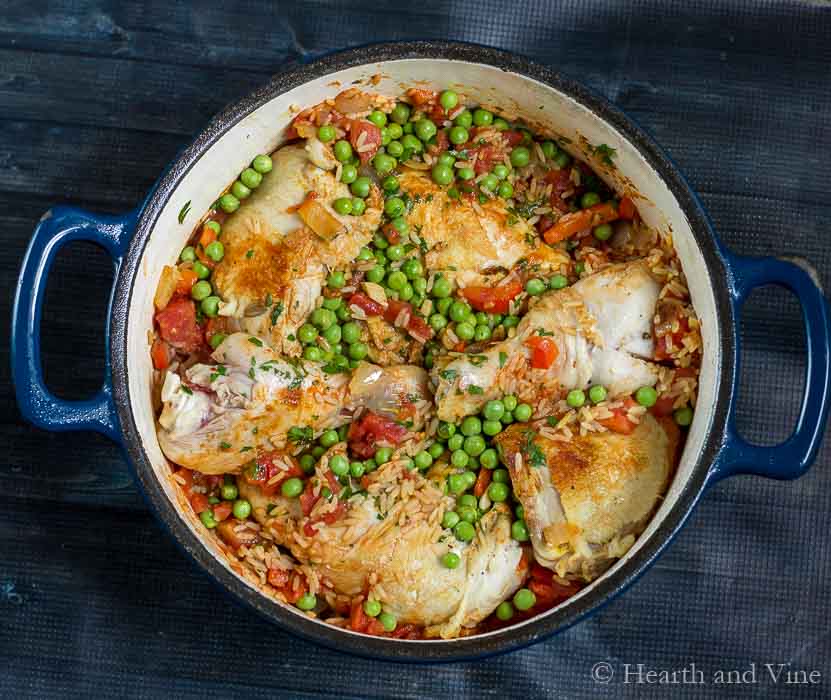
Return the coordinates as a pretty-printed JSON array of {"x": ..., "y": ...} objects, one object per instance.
[{"x": 421, "y": 372}]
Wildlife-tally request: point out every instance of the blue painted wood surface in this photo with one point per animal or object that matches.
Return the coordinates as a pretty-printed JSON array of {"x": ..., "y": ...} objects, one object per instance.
[{"x": 95, "y": 98}]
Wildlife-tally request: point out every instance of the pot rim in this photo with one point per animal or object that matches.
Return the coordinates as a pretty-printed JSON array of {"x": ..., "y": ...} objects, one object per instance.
[{"x": 535, "y": 629}]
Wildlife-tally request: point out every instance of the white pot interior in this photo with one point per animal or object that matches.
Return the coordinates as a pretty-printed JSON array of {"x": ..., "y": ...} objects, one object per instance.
[{"x": 520, "y": 96}]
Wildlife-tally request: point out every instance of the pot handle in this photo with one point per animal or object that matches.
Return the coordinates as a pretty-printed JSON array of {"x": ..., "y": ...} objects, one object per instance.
[
  {"x": 792, "y": 457},
  {"x": 39, "y": 406}
]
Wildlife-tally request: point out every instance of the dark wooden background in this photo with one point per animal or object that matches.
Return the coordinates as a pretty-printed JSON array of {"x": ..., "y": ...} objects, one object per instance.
[{"x": 96, "y": 97}]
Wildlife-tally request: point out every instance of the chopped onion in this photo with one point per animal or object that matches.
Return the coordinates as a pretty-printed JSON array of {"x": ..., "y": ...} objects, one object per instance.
[
  {"x": 167, "y": 287},
  {"x": 319, "y": 219}
]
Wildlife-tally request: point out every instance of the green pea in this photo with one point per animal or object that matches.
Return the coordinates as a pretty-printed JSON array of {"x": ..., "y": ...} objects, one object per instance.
[
  {"x": 549, "y": 149},
  {"x": 471, "y": 425},
  {"x": 510, "y": 402},
  {"x": 307, "y": 601},
  {"x": 558, "y": 282},
  {"x": 307, "y": 334},
  {"x": 361, "y": 187},
  {"x": 240, "y": 191},
  {"x": 510, "y": 321},
  {"x": 450, "y": 519},
  {"x": 326, "y": 133},
  {"x": 216, "y": 340},
  {"x": 228, "y": 203},
  {"x": 262, "y": 164},
  {"x": 506, "y": 190},
  {"x": 188, "y": 254},
  {"x": 498, "y": 492},
  {"x": 388, "y": 621},
  {"x": 423, "y": 460},
  {"x": 394, "y": 207},
  {"x": 500, "y": 170},
  {"x": 451, "y": 560},
  {"x": 576, "y": 398},
  {"x": 322, "y": 318},
  {"x": 489, "y": 458},
  {"x": 603, "y": 232},
  {"x": 579, "y": 268},
  {"x": 524, "y": 599},
  {"x": 202, "y": 271},
  {"x": 357, "y": 469},
  {"x": 683, "y": 416},
  {"x": 412, "y": 268},
  {"x": 455, "y": 442},
  {"x": 396, "y": 280},
  {"x": 446, "y": 430},
  {"x": 469, "y": 477},
  {"x": 378, "y": 118},
  {"x": 523, "y": 412},
  {"x": 407, "y": 128},
  {"x": 466, "y": 173},
  {"x": 370, "y": 465},
  {"x": 467, "y": 500},
  {"x": 406, "y": 292},
  {"x": 210, "y": 306},
  {"x": 242, "y": 509},
  {"x": 400, "y": 113},
  {"x": 464, "y": 118},
  {"x": 459, "y": 458},
  {"x": 493, "y": 410},
  {"x": 208, "y": 520},
  {"x": 390, "y": 184},
  {"x": 504, "y": 611},
  {"x": 395, "y": 149},
  {"x": 535, "y": 287},
  {"x": 372, "y": 608},
  {"x": 491, "y": 427},
  {"x": 436, "y": 450},
  {"x": 508, "y": 418},
  {"x": 474, "y": 445},
  {"x": 343, "y": 151},
  {"x": 383, "y": 164},
  {"x": 201, "y": 290},
  {"x": 646, "y": 396},
  {"x": 501, "y": 476},
  {"x": 339, "y": 465},
  {"x": 448, "y": 99},
  {"x": 481, "y": 333},
  {"x": 333, "y": 334},
  {"x": 336, "y": 280},
  {"x": 589, "y": 199},
  {"x": 229, "y": 492},
  {"x": 332, "y": 303},
  {"x": 395, "y": 252},
  {"x": 464, "y": 531},
  {"x": 562, "y": 160},
  {"x": 411, "y": 143},
  {"x": 482, "y": 117},
  {"x": 376, "y": 274},
  {"x": 351, "y": 332},
  {"x": 520, "y": 512},
  {"x": 342, "y": 205},
  {"x": 318, "y": 451},
  {"x": 490, "y": 182},
  {"x": 520, "y": 157},
  {"x": 395, "y": 131},
  {"x": 459, "y": 311},
  {"x": 442, "y": 174},
  {"x": 442, "y": 288},
  {"x": 597, "y": 393},
  {"x": 425, "y": 129},
  {"x": 519, "y": 531},
  {"x": 446, "y": 158},
  {"x": 343, "y": 432},
  {"x": 215, "y": 226},
  {"x": 348, "y": 174},
  {"x": 307, "y": 463},
  {"x": 343, "y": 314},
  {"x": 458, "y": 135},
  {"x": 358, "y": 351},
  {"x": 500, "y": 124},
  {"x": 313, "y": 354},
  {"x": 382, "y": 455}
]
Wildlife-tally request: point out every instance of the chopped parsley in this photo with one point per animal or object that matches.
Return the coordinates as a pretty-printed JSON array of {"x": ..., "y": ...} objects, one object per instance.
[
  {"x": 247, "y": 448},
  {"x": 478, "y": 360},
  {"x": 301, "y": 434},
  {"x": 250, "y": 253},
  {"x": 257, "y": 342},
  {"x": 183, "y": 212},
  {"x": 220, "y": 371},
  {"x": 186, "y": 390},
  {"x": 534, "y": 455},
  {"x": 543, "y": 332},
  {"x": 268, "y": 299},
  {"x": 503, "y": 358},
  {"x": 275, "y": 312},
  {"x": 224, "y": 445},
  {"x": 605, "y": 153},
  {"x": 449, "y": 374},
  {"x": 473, "y": 389},
  {"x": 552, "y": 421}
]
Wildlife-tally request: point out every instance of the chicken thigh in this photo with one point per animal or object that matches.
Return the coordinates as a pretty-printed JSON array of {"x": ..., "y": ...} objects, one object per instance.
[
  {"x": 216, "y": 416},
  {"x": 274, "y": 266},
  {"x": 602, "y": 328},
  {"x": 587, "y": 498}
]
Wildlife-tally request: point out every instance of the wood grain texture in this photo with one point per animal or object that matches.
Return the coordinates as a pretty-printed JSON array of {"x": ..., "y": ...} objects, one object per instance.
[{"x": 95, "y": 99}]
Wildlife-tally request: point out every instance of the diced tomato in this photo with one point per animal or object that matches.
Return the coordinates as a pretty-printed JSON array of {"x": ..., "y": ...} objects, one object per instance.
[
  {"x": 577, "y": 221},
  {"x": 222, "y": 510},
  {"x": 161, "y": 354},
  {"x": 416, "y": 325},
  {"x": 358, "y": 619},
  {"x": 544, "y": 352},
  {"x": 178, "y": 326},
  {"x": 365, "y": 146},
  {"x": 391, "y": 233},
  {"x": 626, "y": 208},
  {"x": 560, "y": 181},
  {"x": 278, "y": 577},
  {"x": 308, "y": 498},
  {"x": 661, "y": 346},
  {"x": 482, "y": 482},
  {"x": 619, "y": 422},
  {"x": 199, "y": 502},
  {"x": 487, "y": 158},
  {"x": 495, "y": 300},
  {"x": 663, "y": 406},
  {"x": 329, "y": 518},
  {"x": 372, "y": 428},
  {"x": 421, "y": 97},
  {"x": 442, "y": 142},
  {"x": 375, "y": 628},
  {"x": 265, "y": 473},
  {"x": 187, "y": 278},
  {"x": 185, "y": 475},
  {"x": 512, "y": 137},
  {"x": 369, "y": 307},
  {"x": 207, "y": 236}
]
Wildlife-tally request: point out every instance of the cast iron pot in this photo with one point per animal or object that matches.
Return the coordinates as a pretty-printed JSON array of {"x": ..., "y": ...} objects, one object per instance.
[{"x": 144, "y": 240}]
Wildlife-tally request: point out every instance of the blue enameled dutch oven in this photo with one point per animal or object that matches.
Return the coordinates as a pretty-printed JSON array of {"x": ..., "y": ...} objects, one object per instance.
[{"x": 142, "y": 241}]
